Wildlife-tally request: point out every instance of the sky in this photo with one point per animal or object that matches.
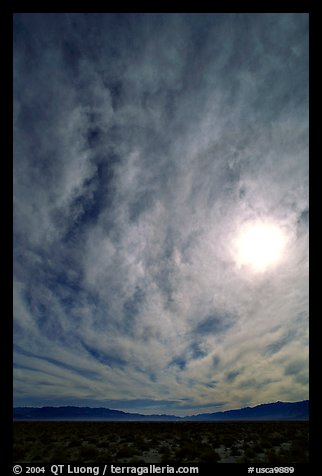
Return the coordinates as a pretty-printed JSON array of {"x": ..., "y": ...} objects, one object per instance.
[{"x": 144, "y": 146}]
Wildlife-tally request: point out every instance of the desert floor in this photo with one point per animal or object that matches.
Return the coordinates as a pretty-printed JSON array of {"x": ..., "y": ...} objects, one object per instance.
[{"x": 161, "y": 442}]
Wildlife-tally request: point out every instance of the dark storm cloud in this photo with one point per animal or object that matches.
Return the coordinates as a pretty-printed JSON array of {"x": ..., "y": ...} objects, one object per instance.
[{"x": 142, "y": 142}]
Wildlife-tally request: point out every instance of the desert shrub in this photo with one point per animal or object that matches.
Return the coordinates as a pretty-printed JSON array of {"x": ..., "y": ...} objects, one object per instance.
[
  {"x": 103, "y": 457},
  {"x": 88, "y": 451},
  {"x": 209, "y": 456},
  {"x": 73, "y": 443},
  {"x": 227, "y": 440},
  {"x": 258, "y": 447},
  {"x": 187, "y": 452},
  {"x": 59, "y": 454},
  {"x": 128, "y": 437},
  {"x": 103, "y": 444},
  {"x": 142, "y": 445},
  {"x": 284, "y": 457},
  {"x": 154, "y": 443},
  {"x": 19, "y": 452},
  {"x": 235, "y": 451},
  {"x": 276, "y": 438},
  {"x": 137, "y": 460},
  {"x": 93, "y": 439},
  {"x": 125, "y": 452},
  {"x": 31, "y": 439},
  {"x": 271, "y": 456},
  {"x": 42, "y": 439},
  {"x": 298, "y": 452},
  {"x": 165, "y": 450},
  {"x": 214, "y": 442},
  {"x": 166, "y": 459},
  {"x": 250, "y": 453}
]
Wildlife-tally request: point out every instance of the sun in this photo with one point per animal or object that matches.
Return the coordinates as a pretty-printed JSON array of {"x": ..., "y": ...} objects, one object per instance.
[{"x": 259, "y": 245}]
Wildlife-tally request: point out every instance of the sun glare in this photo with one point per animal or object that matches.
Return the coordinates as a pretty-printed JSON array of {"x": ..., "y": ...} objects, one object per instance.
[{"x": 260, "y": 246}]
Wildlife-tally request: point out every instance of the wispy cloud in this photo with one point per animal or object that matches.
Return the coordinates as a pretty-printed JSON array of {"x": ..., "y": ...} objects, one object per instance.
[{"x": 142, "y": 143}]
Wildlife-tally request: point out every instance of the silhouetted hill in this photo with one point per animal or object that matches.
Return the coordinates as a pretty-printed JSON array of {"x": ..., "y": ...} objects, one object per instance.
[
  {"x": 81, "y": 413},
  {"x": 267, "y": 411}
]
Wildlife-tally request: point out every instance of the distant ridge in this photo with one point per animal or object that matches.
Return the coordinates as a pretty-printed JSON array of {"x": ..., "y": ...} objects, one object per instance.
[
  {"x": 81, "y": 413},
  {"x": 266, "y": 411}
]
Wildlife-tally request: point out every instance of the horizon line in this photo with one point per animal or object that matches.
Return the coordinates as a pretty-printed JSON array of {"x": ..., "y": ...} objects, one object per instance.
[{"x": 158, "y": 414}]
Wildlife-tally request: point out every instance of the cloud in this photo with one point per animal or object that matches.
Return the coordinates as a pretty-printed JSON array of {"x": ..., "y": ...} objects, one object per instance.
[
  {"x": 216, "y": 323},
  {"x": 231, "y": 376},
  {"x": 143, "y": 142}
]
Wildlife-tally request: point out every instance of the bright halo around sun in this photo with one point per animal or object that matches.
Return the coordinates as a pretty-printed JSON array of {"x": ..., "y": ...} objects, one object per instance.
[{"x": 260, "y": 246}]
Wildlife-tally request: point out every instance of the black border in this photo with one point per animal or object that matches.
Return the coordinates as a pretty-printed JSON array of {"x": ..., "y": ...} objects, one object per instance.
[
  {"x": 7, "y": 10},
  {"x": 6, "y": 188},
  {"x": 94, "y": 6}
]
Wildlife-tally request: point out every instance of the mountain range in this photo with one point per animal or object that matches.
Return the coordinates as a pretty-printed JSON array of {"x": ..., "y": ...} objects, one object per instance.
[{"x": 266, "y": 411}]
